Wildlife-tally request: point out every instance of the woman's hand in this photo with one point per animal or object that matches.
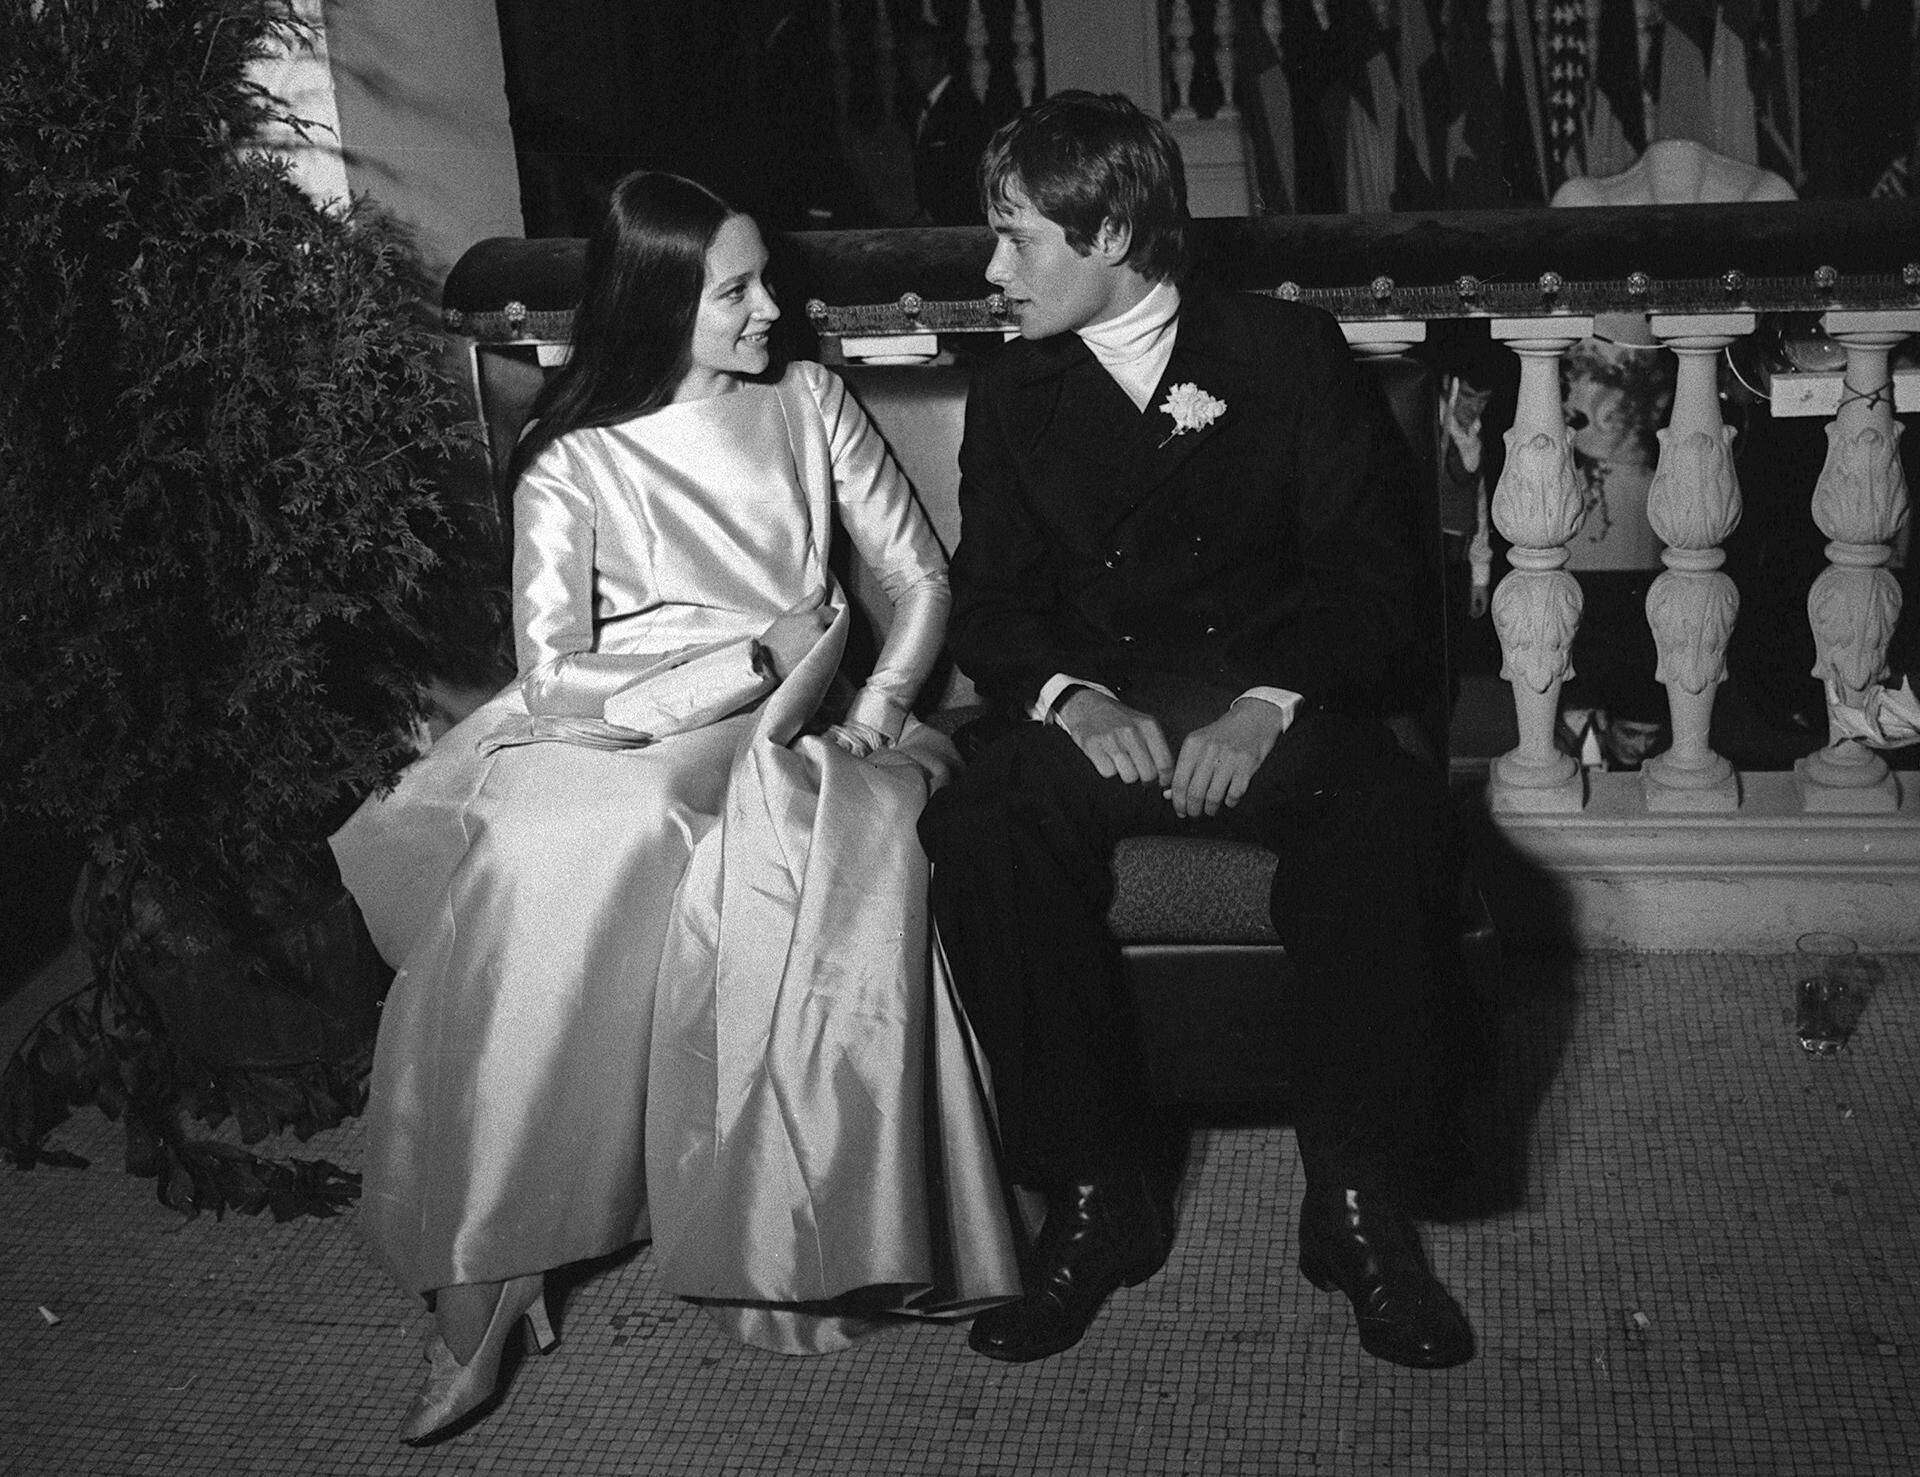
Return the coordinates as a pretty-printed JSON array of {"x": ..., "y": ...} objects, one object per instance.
[{"x": 793, "y": 635}]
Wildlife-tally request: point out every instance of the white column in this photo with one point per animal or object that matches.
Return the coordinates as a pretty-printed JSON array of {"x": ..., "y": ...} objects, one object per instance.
[
  {"x": 1536, "y": 609},
  {"x": 301, "y": 76},
  {"x": 1694, "y": 505},
  {"x": 1860, "y": 504},
  {"x": 422, "y": 98}
]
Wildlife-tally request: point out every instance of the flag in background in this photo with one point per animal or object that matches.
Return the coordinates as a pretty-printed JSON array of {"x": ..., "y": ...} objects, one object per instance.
[
  {"x": 1775, "y": 72},
  {"x": 1423, "y": 102},
  {"x": 1566, "y": 100},
  {"x": 1522, "y": 120},
  {"x": 1363, "y": 111},
  {"x": 1730, "y": 107},
  {"x": 1269, "y": 103},
  {"x": 1617, "y": 127},
  {"x": 1474, "y": 166},
  {"x": 1686, "y": 43}
]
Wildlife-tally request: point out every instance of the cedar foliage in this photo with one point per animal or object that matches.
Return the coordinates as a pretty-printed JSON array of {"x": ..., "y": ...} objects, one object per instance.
[{"x": 224, "y": 511}]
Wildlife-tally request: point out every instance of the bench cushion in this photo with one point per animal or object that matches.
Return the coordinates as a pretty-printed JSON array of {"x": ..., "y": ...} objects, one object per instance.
[{"x": 1191, "y": 890}]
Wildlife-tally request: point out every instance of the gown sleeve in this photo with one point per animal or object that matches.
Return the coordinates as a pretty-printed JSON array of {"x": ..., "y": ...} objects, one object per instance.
[
  {"x": 892, "y": 536},
  {"x": 554, "y": 533}
]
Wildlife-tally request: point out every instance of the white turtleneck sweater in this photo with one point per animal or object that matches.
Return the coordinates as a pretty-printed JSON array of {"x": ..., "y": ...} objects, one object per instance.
[{"x": 1135, "y": 347}]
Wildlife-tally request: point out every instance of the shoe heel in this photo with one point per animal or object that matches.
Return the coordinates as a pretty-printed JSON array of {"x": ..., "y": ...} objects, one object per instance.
[{"x": 540, "y": 1335}]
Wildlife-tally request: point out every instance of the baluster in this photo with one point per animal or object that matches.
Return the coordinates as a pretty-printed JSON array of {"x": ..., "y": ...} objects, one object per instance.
[
  {"x": 979, "y": 67},
  {"x": 1860, "y": 504},
  {"x": 1180, "y": 60},
  {"x": 1026, "y": 54},
  {"x": 1203, "y": 95},
  {"x": 1499, "y": 28},
  {"x": 1536, "y": 609},
  {"x": 1226, "y": 51},
  {"x": 1270, "y": 21},
  {"x": 1694, "y": 505}
]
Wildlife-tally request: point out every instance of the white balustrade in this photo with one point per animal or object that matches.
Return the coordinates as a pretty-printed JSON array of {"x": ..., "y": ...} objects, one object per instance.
[
  {"x": 1860, "y": 504},
  {"x": 1382, "y": 338},
  {"x": 1694, "y": 505},
  {"x": 979, "y": 67},
  {"x": 1180, "y": 57},
  {"x": 1026, "y": 53},
  {"x": 1537, "y": 506},
  {"x": 1226, "y": 54}
]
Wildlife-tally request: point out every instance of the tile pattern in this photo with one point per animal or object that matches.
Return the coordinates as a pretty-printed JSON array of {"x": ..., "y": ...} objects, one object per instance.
[{"x": 1691, "y": 1253}]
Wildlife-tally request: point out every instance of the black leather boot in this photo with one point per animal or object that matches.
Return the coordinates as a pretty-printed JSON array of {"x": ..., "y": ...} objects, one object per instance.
[
  {"x": 1371, "y": 1252},
  {"x": 1098, "y": 1236}
]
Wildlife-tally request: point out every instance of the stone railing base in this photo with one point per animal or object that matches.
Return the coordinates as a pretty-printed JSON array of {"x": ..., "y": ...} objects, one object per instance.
[{"x": 1618, "y": 876}]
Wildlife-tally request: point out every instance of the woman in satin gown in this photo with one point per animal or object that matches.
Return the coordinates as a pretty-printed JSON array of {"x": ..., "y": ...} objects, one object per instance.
[{"x": 658, "y": 910}]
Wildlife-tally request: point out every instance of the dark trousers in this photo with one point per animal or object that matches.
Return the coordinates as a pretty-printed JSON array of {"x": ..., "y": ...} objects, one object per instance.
[{"x": 1365, "y": 898}]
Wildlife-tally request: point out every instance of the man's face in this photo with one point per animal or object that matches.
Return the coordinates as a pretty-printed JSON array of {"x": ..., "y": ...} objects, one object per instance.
[{"x": 1050, "y": 287}]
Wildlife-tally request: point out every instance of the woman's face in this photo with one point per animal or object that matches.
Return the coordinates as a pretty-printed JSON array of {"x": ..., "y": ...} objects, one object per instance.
[{"x": 736, "y": 310}]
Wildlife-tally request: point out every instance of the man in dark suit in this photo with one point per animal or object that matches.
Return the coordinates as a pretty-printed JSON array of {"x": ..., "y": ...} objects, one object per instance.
[
  {"x": 1188, "y": 565},
  {"x": 948, "y": 128}
]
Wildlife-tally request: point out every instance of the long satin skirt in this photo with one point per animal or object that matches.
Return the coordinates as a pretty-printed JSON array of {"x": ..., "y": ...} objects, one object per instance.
[{"x": 684, "y": 991}]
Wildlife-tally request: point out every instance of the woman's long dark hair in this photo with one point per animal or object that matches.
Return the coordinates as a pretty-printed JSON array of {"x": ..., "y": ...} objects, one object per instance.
[{"x": 646, "y": 266}]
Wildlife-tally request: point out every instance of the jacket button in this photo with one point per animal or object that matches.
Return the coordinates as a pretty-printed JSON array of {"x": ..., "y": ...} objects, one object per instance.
[
  {"x": 1113, "y": 559},
  {"x": 1128, "y": 639}
]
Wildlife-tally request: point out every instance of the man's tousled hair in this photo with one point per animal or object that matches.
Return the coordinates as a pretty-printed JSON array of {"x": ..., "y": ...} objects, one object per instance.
[{"x": 1083, "y": 159}]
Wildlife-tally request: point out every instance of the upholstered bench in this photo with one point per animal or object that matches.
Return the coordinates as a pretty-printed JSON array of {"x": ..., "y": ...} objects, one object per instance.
[{"x": 1207, "y": 971}]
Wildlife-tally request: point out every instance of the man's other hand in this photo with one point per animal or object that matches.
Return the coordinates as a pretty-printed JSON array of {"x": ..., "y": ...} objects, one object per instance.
[
  {"x": 1217, "y": 762},
  {"x": 1122, "y": 742}
]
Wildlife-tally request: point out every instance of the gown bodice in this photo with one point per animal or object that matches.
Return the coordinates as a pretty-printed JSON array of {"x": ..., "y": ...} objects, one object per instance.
[
  {"x": 605, "y": 515},
  {"x": 704, "y": 521}
]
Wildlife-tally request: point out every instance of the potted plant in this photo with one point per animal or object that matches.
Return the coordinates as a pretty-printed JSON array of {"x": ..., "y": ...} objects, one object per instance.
[{"x": 226, "y": 519}]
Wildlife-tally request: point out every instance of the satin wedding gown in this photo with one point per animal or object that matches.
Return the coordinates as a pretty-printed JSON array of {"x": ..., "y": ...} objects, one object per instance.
[{"x": 682, "y": 986}]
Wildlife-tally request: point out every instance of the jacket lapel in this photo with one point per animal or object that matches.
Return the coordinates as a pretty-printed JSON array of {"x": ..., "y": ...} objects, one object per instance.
[
  {"x": 1088, "y": 445},
  {"x": 1077, "y": 433},
  {"x": 1212, "y": 354}
]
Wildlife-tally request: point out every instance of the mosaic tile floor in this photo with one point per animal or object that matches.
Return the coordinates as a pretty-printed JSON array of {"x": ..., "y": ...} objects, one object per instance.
[{"x": 1698, "y": 1259}]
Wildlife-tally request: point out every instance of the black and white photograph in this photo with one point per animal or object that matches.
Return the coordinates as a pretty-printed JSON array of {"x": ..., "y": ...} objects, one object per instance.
[{"x": 959, "y": 738}]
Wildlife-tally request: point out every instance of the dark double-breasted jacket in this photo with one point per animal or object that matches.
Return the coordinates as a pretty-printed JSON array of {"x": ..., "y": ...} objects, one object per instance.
[{"x": 1275, "y": 546}]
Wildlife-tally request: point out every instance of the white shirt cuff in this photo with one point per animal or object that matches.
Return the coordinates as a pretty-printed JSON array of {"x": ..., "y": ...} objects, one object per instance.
[
  {"x": 1042, "y": 709},
  {"x": 1287, "y": 702}
]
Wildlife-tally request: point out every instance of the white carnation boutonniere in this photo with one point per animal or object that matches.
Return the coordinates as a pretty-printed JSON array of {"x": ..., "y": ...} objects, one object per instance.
[{"x": 1192, "y": 409}]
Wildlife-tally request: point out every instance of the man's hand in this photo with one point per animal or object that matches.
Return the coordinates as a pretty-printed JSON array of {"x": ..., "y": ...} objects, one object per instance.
[
  {"x": 1217, "y": 762},
  {"x": 1122, "y": 742}
]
